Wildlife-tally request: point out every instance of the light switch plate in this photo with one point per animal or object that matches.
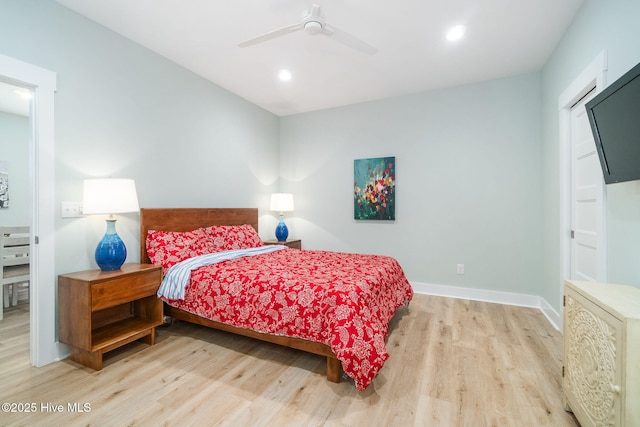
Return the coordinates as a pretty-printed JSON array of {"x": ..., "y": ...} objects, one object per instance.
[{"x": 71, "y": 210}]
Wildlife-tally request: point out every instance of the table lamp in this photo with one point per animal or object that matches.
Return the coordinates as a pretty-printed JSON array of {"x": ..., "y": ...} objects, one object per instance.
[
  {"x": 110, "y": 196},
  {"x": 282, "y": 202}
]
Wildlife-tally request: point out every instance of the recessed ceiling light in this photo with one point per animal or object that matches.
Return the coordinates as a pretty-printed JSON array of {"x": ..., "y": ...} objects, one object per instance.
[
  {"x": 456, "y": 33},
  {"x": 23, "y": 93},
  {"x": 284, "y": 75}
]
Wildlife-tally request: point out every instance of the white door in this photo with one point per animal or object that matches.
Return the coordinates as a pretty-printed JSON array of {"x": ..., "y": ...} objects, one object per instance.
[{"x": 587, "y": 199}]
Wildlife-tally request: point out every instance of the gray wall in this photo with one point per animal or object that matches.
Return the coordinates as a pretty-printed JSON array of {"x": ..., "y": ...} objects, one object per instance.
[
  {"x": 122, "y": 111},
  {"x": 599, "y": 26},
  {"x": 14, "y": 149},
  {"x": 468, "y": 165}
]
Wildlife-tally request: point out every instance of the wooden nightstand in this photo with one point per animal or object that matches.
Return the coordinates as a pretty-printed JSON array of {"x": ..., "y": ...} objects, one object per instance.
[
  {"x": 294, "y": 244},
  {"x": 102, "y": 310}
]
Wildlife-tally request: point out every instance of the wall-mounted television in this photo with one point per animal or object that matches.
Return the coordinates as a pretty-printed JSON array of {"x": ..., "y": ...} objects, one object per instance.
[{"x": 614, "y": 115}]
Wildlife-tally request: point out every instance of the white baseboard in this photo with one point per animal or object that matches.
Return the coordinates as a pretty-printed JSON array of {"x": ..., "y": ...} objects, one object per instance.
[{"x": 497, "y": 297}]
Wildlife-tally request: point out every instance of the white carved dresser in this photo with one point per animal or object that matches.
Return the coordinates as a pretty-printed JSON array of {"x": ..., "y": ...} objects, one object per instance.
[{"x": 601, "y": 371}]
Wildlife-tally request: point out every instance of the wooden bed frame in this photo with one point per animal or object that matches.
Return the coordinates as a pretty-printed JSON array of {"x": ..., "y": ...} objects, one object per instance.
[{"x": 185, "y": 219}]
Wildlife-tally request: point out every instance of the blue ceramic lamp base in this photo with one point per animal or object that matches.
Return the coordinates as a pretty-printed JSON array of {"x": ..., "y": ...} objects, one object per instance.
[
  {"x": 282, "y": 232},
  {"x": 111, "y": 251}
]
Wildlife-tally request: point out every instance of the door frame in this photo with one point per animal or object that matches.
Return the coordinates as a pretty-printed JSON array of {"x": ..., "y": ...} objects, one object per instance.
[
  {"x": 593, "y": 76},
  {"x": 42, "y": 293}
]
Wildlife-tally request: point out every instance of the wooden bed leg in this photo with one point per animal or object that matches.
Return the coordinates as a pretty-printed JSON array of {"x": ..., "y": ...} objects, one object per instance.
[{"x": 334, "y": 370}]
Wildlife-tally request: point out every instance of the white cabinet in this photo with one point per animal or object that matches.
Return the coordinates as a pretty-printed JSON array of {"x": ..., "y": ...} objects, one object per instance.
[{"x": 601, "y": 372}]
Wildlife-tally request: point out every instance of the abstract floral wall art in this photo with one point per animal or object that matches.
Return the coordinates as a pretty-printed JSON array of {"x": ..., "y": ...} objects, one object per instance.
[
  {"x": 4, "y": 184},
  {"x": 374, "y": 193}
]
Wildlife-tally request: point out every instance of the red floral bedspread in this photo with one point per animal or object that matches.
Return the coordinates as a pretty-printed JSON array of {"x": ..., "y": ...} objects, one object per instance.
[{"x": 343, "y": 300}]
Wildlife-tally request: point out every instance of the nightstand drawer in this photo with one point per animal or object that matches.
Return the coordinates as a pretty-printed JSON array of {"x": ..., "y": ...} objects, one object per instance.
[{"x": 124, "y": 289}]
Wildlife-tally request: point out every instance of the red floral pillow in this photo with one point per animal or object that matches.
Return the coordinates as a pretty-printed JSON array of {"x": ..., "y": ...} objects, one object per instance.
[
  {"x": 167, "y": 248},
  {"x": 229, "y": 237}
]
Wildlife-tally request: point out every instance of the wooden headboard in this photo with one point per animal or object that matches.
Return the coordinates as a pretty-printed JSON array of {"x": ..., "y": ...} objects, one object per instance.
[{"x": 185, "y": 219}]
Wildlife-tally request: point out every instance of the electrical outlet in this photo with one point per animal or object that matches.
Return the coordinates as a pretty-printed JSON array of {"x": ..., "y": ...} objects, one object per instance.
[
  {"x": 71, "y": 210},
  {"x": 460, "y": 268}
]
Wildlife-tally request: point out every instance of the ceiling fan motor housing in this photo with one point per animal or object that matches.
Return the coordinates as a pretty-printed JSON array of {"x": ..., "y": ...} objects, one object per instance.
[{"x": 313, "y": 27}]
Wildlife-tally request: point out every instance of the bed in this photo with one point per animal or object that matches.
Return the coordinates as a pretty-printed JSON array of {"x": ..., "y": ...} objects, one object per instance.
[{"x": 275, "y": 294}]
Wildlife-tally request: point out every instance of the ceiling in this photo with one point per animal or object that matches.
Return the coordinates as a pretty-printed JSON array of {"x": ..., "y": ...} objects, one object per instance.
[{"x": 503, "y": 38}]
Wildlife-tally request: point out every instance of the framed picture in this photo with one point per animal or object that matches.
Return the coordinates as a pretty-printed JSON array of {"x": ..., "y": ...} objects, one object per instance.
[
  {"x": 4, "y": 184},
  {"x": 374, "y": 193}
]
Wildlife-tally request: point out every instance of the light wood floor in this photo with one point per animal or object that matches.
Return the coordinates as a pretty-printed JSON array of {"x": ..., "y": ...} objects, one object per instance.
[{"x": 453, "y": 363}]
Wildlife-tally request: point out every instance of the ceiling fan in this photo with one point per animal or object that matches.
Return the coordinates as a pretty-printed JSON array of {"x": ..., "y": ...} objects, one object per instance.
[{"x": 313, "y": 23}]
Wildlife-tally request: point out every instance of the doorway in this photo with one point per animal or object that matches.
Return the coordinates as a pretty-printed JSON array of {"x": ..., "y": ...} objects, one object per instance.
[
  {"x": 42, "y": 314},
  {"x": 582, "y": 192},
  {"x": 15, "y": 213}
]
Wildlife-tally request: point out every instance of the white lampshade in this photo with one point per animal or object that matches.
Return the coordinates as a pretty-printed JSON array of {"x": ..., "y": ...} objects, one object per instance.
[
  {"x": 282, "y": 202},
  {"x": 109, "y": 196}
]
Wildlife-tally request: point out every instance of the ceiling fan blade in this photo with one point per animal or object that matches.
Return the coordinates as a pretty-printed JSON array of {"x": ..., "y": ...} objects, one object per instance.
[
  {"x": 271, "y": 35},
  {"x": 347, "y": 39}
]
